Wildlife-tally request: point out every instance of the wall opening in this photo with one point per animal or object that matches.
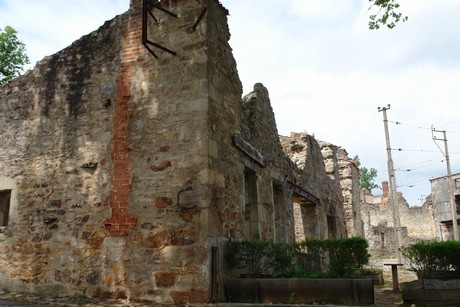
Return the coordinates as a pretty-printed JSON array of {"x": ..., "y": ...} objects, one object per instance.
[
  {"x": 251, "y": 209},
  {"x": 457, "y": 203},
  {"x": 331, "y": 227},
  {"x": 5, "y": 201},
  {"x": 305, "y": 219},
  {"x": 279, "y": 234},
  {"x": 382, "y": 240}
]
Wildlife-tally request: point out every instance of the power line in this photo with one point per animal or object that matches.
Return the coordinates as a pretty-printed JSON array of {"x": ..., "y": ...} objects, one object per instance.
[
  {"x": 451, "y": 123},
  {"x": 419, "y": 150},
  {"x": 413, "y": 126},
  {"x": 426, "y": 128},
  {"x": 415, "y": 183},
  {"x": 416, "y": 163}
]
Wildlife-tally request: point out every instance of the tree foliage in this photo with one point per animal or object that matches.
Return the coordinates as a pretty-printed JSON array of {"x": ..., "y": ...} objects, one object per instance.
[
  {"x": 366, "y": 176},
  {"x": 12, "y": 54},
  {"x": 387, "y": 14}
]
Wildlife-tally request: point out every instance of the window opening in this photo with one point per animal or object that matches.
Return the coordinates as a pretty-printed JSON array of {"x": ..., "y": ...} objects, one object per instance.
[
  {"x": 279, "y": 231},
  {"x": 331, "y": 227},
  {"x": 457, "y": 203},
  {"x": 5, "y": 199},
  {"x": 305, "y": 219},
  {"x": 251, "y": 212}
]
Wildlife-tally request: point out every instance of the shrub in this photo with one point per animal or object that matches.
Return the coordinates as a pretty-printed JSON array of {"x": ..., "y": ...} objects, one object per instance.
[
  {"x": 309, "y": 258},
  {"x": 434, "y": 259},
  {"x": 283, "y": 259},
  {"x": 312, "y": 258},
  {"x": 341, "y": 257},
  {"x": 255, "y": 257},
  {"x": 347, "y": 257}
]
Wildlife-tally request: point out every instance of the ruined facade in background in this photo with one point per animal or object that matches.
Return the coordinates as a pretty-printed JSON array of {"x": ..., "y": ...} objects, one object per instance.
[
  {"x": 320, "y": 159},
  {"x": 442, "y": 209},
  {"x": 124, "y": 175},
  {"x": 417, "y": 223},
  {"x": 339, "y": 165}
]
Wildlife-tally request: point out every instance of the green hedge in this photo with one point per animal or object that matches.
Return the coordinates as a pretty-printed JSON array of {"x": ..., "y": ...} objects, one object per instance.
[
  {"x": 312, "y": 258},
  {"x": 434, "y": 259}
]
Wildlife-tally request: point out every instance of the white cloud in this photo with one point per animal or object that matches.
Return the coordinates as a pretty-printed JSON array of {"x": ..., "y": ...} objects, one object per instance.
[{"x": 48, "y": 26}]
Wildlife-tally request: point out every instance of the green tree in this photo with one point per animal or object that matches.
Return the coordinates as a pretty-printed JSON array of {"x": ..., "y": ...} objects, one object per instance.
[
  {"x": 12, "y": 54},
  {"x": 366, "y": 176},
  {"x": 387, "y": 14}
]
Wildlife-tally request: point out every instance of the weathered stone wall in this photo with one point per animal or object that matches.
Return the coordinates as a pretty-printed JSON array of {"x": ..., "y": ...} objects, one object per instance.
[
  {"x": 340, "y": 167},
  {"x": 128, "y": 173},
  {"x": 417, "y": 223},
  {"x": 108, "y": 148},
  {"x": 327, "y": 216},
  {"x": 56, "y": 134}
]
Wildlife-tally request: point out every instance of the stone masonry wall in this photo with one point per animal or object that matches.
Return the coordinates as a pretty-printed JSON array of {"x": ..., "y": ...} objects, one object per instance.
[
  {"x": 417, "y": 224},
  {"x": 94, "y": 140},
  {"x": 56, "y": 124},
  {"x": 129, "y": 172},
  {"x": 306, "y": 153}
]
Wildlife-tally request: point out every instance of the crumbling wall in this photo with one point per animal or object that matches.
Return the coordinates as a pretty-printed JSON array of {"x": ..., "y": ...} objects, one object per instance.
[
  {"x": 108, "y": 149},
  {"x": 306, "y": 153},
  {"x": 349, "y": 182},
  {"x": 128, "y": 172},
  {"x": 56, "y": 131},
  {"x": 417, "y": 223}
]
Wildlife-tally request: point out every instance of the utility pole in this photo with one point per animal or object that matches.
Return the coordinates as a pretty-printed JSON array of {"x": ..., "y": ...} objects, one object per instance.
[
  {"x": 449, "y": 179},
  {"x": 392, "y": 183}
]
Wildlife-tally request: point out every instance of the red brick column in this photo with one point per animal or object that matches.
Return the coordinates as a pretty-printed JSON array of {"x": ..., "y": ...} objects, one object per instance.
[{"x": 121, "y": 178}]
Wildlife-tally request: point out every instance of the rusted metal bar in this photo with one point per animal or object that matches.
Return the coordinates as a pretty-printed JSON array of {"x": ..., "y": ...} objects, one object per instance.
[
  {"x": 160, "y": 47},
  {"x": 164, "y": 10},
  {"x": 151, "y": 14},
  {"x": 144, "y": 21},
  {"x": 150, "y": 50},
  {"x": 199, "y": 19},
  {"x": 145, "y": 41}
]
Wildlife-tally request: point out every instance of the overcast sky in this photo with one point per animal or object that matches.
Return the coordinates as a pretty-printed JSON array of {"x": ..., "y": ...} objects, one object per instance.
[{"x": 325, "y": 71}]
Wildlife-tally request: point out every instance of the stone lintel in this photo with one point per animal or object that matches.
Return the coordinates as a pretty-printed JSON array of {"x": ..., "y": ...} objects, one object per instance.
[
  {"x": 248, "y": 149},
  {"x": 298, "y": 190}
]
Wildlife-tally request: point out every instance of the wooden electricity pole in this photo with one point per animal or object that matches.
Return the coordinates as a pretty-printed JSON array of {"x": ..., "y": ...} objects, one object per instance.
[{"x": 392, "y": 184}]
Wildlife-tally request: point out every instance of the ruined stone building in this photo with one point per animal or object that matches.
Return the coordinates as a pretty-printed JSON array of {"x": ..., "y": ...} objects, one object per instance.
[
  {"x": 124, "y": 172},
  {"x": 417, "y": 223},
  {"x": 320, "y": 159},
  {"x": 442, "y": 208}
]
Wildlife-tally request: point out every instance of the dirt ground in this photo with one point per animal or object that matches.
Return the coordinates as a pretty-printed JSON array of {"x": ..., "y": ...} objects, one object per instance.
[{"x": 384, "y": 294}]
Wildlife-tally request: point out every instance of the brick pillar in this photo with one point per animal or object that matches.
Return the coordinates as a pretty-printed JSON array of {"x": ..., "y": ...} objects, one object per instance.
[
  {"x": 385, "y": 188},
  {"x": 121, "y": 179},
  {"x": 384, "y": 203}
]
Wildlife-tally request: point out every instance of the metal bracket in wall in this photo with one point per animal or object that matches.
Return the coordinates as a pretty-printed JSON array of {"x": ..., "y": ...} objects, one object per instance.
[{"x": 147, "y": 7}]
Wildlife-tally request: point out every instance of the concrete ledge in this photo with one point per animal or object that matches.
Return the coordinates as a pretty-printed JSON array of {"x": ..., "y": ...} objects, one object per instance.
[
  {"x": 353, "y": 291},
  {"x": 434, "y": 292}
]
